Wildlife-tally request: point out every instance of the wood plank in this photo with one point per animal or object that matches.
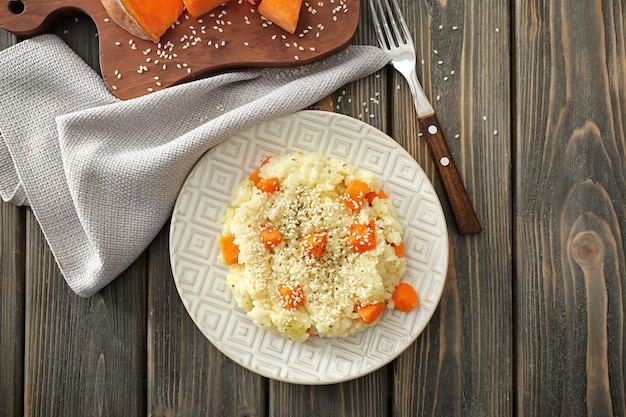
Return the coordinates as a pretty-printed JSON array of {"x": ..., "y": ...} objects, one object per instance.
[
  {"x": 462, "y": 363},
  {"x": 366, "y": 396},
  {"x": 80, "y": 33},
  {"x": 12, "y": 294},
  {"x": 12, "y": 259},
  {"x": 187, "y": 375},
  {"x": 81, "y": 355},
  {"x": 570, "y": 187}
]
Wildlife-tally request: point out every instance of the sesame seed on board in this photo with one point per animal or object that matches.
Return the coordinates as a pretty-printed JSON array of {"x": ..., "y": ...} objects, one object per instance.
[{"x": 212, "y": 33}]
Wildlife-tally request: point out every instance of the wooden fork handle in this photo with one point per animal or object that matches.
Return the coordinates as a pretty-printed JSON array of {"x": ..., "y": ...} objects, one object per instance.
[{"x": 464, "y": 215}]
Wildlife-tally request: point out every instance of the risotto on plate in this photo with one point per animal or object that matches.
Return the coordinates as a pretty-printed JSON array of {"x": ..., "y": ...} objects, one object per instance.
[{"x": 314, "y": 247}]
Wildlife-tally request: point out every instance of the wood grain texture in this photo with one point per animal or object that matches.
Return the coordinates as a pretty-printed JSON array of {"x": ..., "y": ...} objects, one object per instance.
[
  {"x": 187, "y": 376},
  {"x": 232, "y": 36},
  {"x": 12, "y": 309},
  {"x": 12, "y": 287},
  {"x": 530, "y": 96},
  {"x": 570, "y": 188},
  {"x": 462, "y": 364},
  {"x": 82, "y": 356},
  {"x": 366, "y": 396}
]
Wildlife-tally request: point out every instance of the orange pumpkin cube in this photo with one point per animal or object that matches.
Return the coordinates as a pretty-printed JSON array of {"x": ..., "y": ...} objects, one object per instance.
[
  {"x": 148, "y": 20},
  {"x": 291, "y": 297},
  {"x": 197, "y": 8},
  {"x": 285, "y": 13},
  {"x": 355, "y": 194}
]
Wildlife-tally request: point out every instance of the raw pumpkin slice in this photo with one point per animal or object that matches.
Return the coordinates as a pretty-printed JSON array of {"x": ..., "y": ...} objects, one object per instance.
[
  {"x": 284, "y": 13},
  {"x": 147, "y": 20},
  {"x": 197, "y": 8}
]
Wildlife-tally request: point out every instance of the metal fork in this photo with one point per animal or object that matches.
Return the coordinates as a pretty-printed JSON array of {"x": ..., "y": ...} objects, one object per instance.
[{"x": 395, "y": 39}]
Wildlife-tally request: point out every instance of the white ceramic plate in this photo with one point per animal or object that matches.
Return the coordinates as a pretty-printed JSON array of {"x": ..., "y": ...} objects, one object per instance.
[{"x": 200, "y": 273}]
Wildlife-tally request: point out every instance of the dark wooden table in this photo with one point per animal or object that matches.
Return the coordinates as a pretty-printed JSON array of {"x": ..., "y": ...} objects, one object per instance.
[{"x": 532, "y": 321}]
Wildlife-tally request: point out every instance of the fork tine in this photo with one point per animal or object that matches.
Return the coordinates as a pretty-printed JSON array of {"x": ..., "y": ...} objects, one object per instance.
[
  {"x": 386, "y": 17},
  {"x": 400, "y": 17},
  {"x": 385, "y": 37},
  {"x": 386, "y": 14},
  {"x": 395, "y": 37},
  {"x": 379, "y": 30}
]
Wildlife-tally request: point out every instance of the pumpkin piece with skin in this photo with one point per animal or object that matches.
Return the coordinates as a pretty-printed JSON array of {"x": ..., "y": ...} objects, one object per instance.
[{"x": 144, "y": 19}]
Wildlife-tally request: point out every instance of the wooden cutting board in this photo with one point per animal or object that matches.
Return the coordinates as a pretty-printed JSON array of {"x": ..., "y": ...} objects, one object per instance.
[{"x": 232, "y": 36}]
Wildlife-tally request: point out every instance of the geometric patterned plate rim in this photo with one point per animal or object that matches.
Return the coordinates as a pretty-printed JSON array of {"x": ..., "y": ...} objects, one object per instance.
[{"x": 200, "y": 274}]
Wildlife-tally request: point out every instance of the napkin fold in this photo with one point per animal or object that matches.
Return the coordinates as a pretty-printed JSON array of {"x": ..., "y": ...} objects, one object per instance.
[{"x": 101, "y": 175}]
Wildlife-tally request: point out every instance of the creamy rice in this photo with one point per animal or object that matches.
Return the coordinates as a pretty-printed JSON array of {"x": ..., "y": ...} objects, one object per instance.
[{"x": 310, "y": 198}]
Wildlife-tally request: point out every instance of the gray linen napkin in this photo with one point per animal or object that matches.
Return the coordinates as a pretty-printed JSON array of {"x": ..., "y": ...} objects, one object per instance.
[{"x": 102, "y": 175}]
